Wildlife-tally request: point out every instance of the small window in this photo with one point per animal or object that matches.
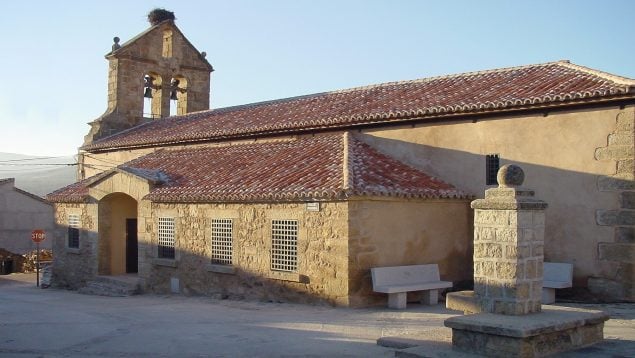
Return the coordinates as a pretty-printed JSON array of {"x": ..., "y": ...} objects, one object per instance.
[
  {"x": 166, "y": 238},
  {"x": 73, "y": 231},
  {"x": 284, "y": 245},
  {"x": 492, "y": 164},
  {"x": 222, "y": 237}
]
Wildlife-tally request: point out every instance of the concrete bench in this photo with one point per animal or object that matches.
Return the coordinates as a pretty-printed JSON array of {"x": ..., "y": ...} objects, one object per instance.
[
  {"x": 555, "y": 275},
  {"x": 397, "y": 281}
]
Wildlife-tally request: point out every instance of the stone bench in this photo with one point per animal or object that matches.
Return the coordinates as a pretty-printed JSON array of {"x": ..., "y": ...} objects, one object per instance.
[
  {"x": 397, "y": 281},
  {"x": 555, "y": 275}
]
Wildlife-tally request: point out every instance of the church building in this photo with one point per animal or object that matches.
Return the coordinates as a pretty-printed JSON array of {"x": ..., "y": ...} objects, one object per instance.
[{"x": 296, "y": 199}]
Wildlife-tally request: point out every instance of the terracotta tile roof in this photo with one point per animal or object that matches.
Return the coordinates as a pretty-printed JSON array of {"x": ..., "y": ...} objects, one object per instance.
[
  {"x": 330, "y": 166},
  {"x": 549, "y": 84},
  {"x": 76, "y": 192}
]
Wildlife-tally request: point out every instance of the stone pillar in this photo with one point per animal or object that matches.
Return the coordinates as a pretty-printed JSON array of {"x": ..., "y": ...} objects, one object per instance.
[{"x": 509, "y": 227}]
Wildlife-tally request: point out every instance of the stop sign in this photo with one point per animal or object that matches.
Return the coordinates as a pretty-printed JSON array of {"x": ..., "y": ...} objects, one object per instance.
[{"x": 38, "y": 235}]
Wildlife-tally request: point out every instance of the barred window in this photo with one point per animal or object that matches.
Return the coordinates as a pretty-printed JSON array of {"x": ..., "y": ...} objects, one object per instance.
[
  {"x": 222, "y": 236},
  {"x": 166, "y": 238},
  {"x": 492, "y": 164},
  {"x": 73, "y": 231},
  {"x": 284, "y": 245}
]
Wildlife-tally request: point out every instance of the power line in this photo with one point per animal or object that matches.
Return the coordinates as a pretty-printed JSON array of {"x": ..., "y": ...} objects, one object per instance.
[
  {"x": 28, "y": 159},
  {"x": 38, "y": 164}
]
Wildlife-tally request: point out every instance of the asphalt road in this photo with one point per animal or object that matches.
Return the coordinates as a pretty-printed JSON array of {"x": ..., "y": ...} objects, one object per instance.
[{"x": 57, "y": 323}]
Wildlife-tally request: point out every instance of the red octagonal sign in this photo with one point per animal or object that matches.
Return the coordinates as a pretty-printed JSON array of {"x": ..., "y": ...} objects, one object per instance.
[{"x": 38, "y": 235}]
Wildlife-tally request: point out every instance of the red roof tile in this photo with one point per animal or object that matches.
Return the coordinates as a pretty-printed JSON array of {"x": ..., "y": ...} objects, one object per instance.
[
  {"x": 333, "y": 166},
  {"x": 549, "y": 84},
  {"x": 74, "y": 193}
]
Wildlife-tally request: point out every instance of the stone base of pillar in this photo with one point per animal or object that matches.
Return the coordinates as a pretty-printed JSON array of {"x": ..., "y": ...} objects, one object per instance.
[
  {"x": 462, "y": 301},
  {"x": 555, "y": 329}
]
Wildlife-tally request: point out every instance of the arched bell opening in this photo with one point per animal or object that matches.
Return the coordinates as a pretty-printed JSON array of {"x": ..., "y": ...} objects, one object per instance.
[
  {"x": 152, "y": 95},
  {"x": 178, "y": 96}
]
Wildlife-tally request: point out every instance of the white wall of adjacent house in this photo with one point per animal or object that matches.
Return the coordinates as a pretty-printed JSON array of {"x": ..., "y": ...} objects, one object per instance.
[{"x": 21, "y": 213}]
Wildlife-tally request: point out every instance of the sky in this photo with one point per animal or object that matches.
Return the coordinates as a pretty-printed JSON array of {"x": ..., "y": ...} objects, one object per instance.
[{"x": 55, "y": 73}]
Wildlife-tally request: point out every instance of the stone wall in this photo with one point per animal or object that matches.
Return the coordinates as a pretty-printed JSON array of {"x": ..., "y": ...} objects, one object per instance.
[
  {"x": 617, "y": 252},
  {"x": 72, "y": 267},
  {"x": 394, "y": 232},
  {"x": 21, "y": 213},
  {"x": 322, "y": 253}
]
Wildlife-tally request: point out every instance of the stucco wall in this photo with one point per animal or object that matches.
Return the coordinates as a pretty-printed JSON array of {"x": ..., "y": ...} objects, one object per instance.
[
  {"x": 322, "y": 252},
  {"x": 21, "y": 213},
  {"x": 557, "y": 152},
  {"x": 396, "y": 233}
]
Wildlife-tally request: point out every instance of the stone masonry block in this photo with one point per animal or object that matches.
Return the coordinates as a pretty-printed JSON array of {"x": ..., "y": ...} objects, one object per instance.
[
  {"x": 606, "y": 288},
  {"x": 492, "y": 217},
  {"x": 480, "y": 286},
  {"x": 626, "y": 121},
  {"x": 511, "y": 252},
  {"x": 520, "y": 290},
  {"x": 524, "y": 219},
  {"x": 495, "y": 290},
  {"x": 509, "y": 271},
  {"x": 627, "y": 200},
  {"x": 625, "y": 166},
  {"x": 480, "y": 250},
  {"x": 614, "y": 183},
  {"x": 626, "y": 273},
  {"x": 506, "y": 235},
  {"x": 531, "y": 270},
  {"x": 510, "y": 308},
  {"x": 625, "y": 234},
  {"x": 621, "y": 138},
  {"x": 614, "y": 152},
  {"x": 525, "y": 235},
  {"x": 484, "y": 234},
  {"x": 537, "y": 250},
  {"x": 616, "y": 252},
  {"x": 615, "y": 217},
  {"x": 489, "y": 269},
  {"x": 494, "y": 250}
]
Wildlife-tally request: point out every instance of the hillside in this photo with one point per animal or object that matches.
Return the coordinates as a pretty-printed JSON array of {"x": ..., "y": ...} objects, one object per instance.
[{"x": 38, "y": 175}]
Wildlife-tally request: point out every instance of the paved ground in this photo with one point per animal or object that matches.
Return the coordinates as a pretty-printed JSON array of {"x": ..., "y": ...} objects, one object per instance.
[{"x": 56, "y": 323}]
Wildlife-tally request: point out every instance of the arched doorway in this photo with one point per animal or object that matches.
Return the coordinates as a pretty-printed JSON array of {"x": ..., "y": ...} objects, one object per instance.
[{"x": 118, "y": 247}]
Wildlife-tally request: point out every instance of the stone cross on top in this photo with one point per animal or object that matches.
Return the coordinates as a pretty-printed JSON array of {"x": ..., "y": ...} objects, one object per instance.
[{"x": 509, "y": 226}]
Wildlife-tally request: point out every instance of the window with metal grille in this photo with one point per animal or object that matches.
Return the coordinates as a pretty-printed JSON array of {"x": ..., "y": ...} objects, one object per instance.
[
  {"x": 284, "y": 245},
  {"x": 492, "y": 164},
  {"x": 222, "y": 241},
  {"x": 166, "y": 238},
  {"x": 73, "y": 231}
]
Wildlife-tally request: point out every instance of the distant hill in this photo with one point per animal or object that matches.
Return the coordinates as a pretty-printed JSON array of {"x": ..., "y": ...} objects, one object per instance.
[{"x": 38, "y": 175}]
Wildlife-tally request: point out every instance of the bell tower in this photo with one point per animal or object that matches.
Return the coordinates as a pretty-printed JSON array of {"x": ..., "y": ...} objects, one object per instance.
[{"x": 154, "y": 75}]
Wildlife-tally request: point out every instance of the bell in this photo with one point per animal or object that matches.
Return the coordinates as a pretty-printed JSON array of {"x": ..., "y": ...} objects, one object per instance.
[
  {"x": 173, "y": 96},
  {"x": 147, "y": 93}
]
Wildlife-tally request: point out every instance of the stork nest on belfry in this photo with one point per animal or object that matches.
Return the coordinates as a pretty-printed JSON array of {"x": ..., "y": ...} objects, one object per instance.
[{"x": 157, "y": 16}]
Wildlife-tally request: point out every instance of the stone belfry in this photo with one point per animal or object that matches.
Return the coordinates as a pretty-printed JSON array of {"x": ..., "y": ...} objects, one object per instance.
[{"x": 154, "y": 75}]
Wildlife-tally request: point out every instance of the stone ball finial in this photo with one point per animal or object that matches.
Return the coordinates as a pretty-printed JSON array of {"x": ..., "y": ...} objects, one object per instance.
[
  {"x": 510, "y": 175},
  {"x": 203, "y": 54},
  {"x": 116, "y": 44}
]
